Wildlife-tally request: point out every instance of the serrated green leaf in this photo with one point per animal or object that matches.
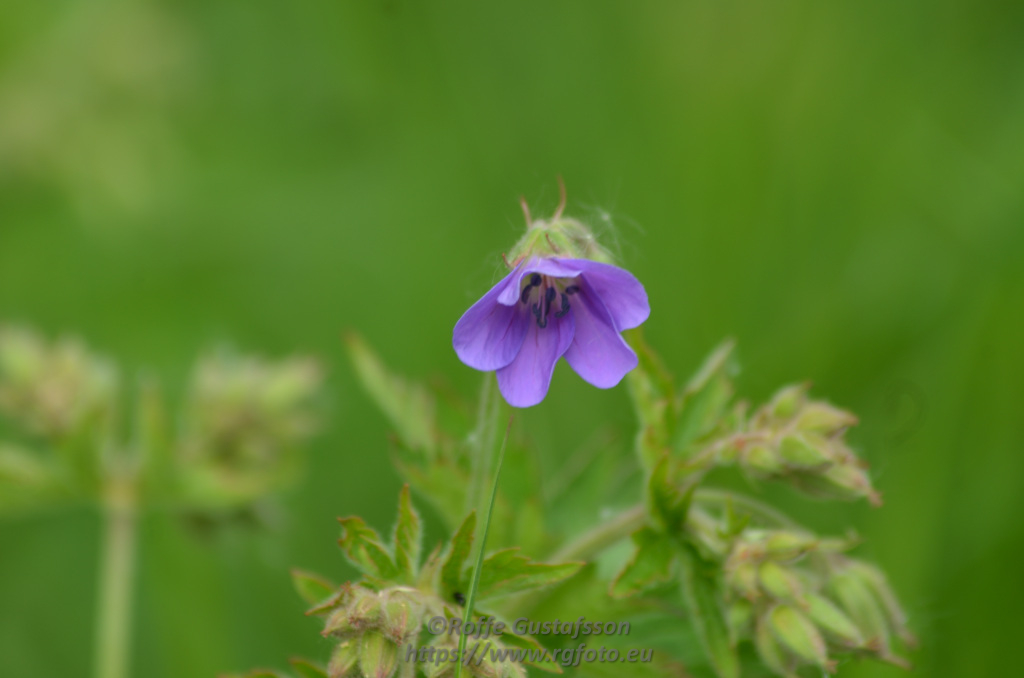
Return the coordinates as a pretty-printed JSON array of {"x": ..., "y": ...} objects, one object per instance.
[
  {"x": 441, "y": 482},
  {"x": 408, "y": 536},
  {"x": 528, "y": 642},
  {"x": 311, "y": 587},
  {"x": 704, "y": 601},
  {"x": 667, "y": 502},
  {"x": 307, "y": 669},
  {"x": 452, "y": 578},
  {"x": 704, "y": 400},
  {"x": 363, "y": 549},
  {"x": 652, "y": 391},
  {"x": 431, "y": 568},
  {"x": 407, "y": 405},
  {"x": 651, "y": 564},
  {"x": 506, "y": 571}
]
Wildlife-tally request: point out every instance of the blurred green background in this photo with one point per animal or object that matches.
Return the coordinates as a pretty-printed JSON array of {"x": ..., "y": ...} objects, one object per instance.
[{"x": 837, "y": 185}]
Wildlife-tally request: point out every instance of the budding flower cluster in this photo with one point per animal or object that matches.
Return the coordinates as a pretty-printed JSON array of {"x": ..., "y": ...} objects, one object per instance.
[
  {"x": 801, "y": 602},
  {"x": 53, "y": 389},
  {"x": 373, "y": 627},
  {"x": 800, "y": 441},
  {"x": 244, "y": 410},
  {"x": 245, "y": 418}
]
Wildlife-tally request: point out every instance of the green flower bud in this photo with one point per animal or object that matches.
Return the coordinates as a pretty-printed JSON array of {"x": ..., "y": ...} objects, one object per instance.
[
  {"x": 403, "y": 613},
  {"x": 557, "y": 237},
  {"x": 852, "y": 481},
  {"x": 762, "y": 460},
  {"x": 378, "y": 656},
  {"x": 825, "y": 419},
  {"x": 344, "y": 661},
  {"x": 796, "y": 632},
  {"x": 366, "y": 609},
  {"x": 741, "y": 578},
  {"x": 804, "y": 451},
  {"x": 879, "y": 585},
  {"x": 787, "y": 401},
  {"x": 771, "y": 652},
  {"x": 859, "y": 603},
  {"x": 779, "y": 582},
  {"x": 338, "y": 624},
  {"x": 782, "y": 545},
  {"x": 832, "y": 620}
]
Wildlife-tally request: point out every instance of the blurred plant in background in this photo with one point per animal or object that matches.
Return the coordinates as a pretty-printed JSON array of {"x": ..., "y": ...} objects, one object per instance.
[
  {"x": 87, "y": 108},
  {"x": 77, "y": 437},
  {"x": 726, "y": 584}
]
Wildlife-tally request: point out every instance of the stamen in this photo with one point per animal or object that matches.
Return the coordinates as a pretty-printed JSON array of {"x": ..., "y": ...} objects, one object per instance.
[
  {"x": 572, "y": 289},
  {"x": 524, "y": 296},
  {"x": 565, "y": 307},
  {"x": 549, "y": 296},
  {"x": 542, "y": 322}
]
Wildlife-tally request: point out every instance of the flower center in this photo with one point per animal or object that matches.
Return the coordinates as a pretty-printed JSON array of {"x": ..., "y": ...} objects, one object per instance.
[{"x": 546, "y": 289}]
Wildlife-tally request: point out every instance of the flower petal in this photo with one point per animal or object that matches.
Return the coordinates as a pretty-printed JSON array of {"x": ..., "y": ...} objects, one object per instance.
[
  {"x": 489, "y": 335},
  {"x": 597, "y": 353},
  {"x": 525, "y": 381},
  {"x": 556, "y": 268},
  {"x": 622, "y": 294}
]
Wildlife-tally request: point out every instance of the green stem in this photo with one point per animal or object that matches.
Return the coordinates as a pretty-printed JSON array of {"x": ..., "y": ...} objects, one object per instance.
[
  {"x": 482, "y": 452},
  {"x": 720, "y": 497},
  {"x": 471, "y": 599},
  {"x": 602, "y": 536},
  {"x": 117, "y": 570}
]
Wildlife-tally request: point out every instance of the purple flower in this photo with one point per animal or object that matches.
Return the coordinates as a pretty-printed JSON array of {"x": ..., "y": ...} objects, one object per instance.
[{"x": 547, "y": 308}]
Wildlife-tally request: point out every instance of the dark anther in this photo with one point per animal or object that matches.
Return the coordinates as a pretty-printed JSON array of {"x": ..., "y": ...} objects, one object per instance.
[
  {"x": 534, "y": 282},
  {"x": 572, "y": 289},
  {"x": 542, "y": 322},
  {"x": 549, "y": 296},
  {"x": 565, "y": 307}
]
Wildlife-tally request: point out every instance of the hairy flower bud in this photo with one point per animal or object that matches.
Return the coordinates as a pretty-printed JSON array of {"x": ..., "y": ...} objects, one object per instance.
[
  {"x": 741, "y": 578},
  {"x": 787, "y": 401},
  {"x": 800, "y": 636},
  {"x": 344, "y": 661},
  {"x": 859, "y": 601},
  {"x": 824, "y": 419},
  {"x": 378, "y": 656},
  {"x": 403, "y": 612},
  {"x": 762, "y": 460},
  {"x": 786, "y": 545},
  {"x": 804, "y": 451},
  {"x": 842, "y": 481},
  {"x": 832, "y": 620},
  {"x": 779, "y": 582},
  {"x": 769, "y": 649}
]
